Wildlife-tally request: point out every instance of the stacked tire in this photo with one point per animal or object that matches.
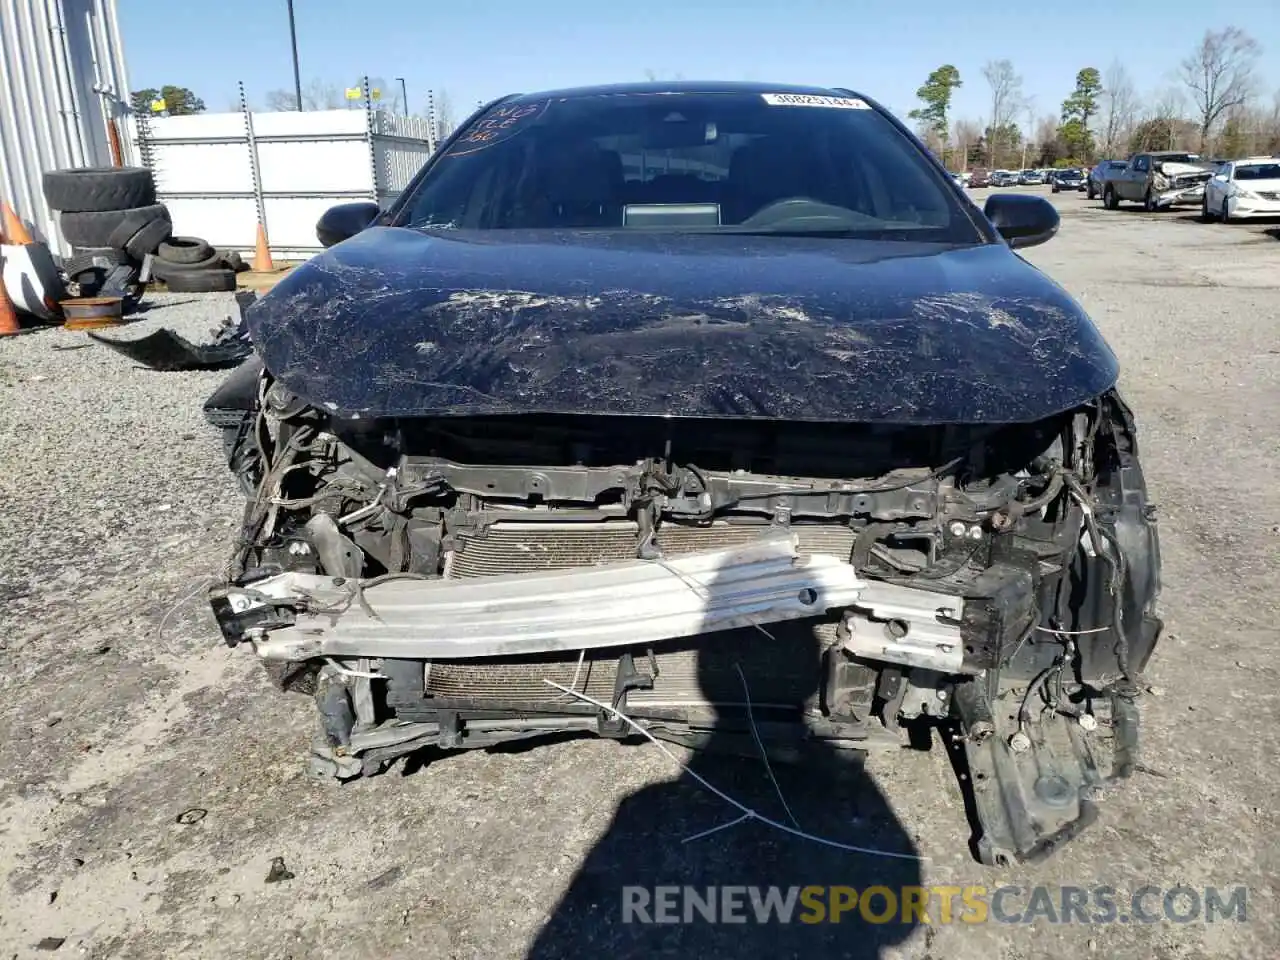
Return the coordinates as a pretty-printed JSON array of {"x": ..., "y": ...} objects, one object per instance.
[
  {"x": 190, "y": 265},
  {"x": 110, "y": 217}
]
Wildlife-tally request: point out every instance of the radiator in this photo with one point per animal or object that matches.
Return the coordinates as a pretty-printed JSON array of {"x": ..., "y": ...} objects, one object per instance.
[{"x": 782, "y": 666}]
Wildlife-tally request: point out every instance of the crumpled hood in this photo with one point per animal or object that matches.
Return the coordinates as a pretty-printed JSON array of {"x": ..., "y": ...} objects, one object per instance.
[
  {"x": 1174, "y": 168},
  {"x": 403, "y": 323}
]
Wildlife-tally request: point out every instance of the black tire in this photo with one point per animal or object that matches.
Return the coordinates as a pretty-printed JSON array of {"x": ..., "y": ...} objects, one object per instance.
[
  {"x": 1109, "y": 198},
  {"x": 1055, "y": 188},
  {"x": 1226, "y": 211},
  {"x": 134, "y": 220},
  {"x": 96, "y": 189},
  {"x": 91, "y": 228},
  {"x": 232, "y": 260},
  {"x": 201, "y": 281},
  {"x": 163, "y": 269},
  {"x": 1206, "y": 215},
  {"x": 1090, "y": 191},
  {"x": 147, "y": 239},
  {"x": 85, "y": 258},
  {"x": 184, "y": 250},
  {"x": 1149, "y": 203}
]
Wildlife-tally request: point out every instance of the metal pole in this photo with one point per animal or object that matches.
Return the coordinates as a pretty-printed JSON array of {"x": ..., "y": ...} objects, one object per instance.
[
  {"x": 433, "y": 128},
  {"x": 297, "y": 76},
  {"x": 255, "y": 171},
  {"x": 404, "y": 96},
  {"x": 370, "y": 136}
]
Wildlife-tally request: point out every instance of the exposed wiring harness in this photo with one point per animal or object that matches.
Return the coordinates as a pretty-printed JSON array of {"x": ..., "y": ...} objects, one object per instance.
[
  {"x": 1108, "y": 549},
  {"x": 260, "y": 513}
]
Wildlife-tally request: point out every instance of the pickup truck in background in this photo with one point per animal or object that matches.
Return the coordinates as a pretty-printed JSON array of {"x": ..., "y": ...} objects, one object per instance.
[{"x": 1157, "y": 181}]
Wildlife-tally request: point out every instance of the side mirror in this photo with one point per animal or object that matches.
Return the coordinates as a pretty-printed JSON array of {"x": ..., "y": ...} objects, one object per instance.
[
  {"x": 345, "y": 221},
  {"x": 1023, "y": 220}
]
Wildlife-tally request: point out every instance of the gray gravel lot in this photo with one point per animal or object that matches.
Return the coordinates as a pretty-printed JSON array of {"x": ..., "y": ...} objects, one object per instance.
[{"x": 120, "y": 710}]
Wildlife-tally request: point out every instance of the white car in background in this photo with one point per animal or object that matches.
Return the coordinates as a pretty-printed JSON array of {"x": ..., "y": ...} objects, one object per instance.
[{"x": 1244, "y": 188}]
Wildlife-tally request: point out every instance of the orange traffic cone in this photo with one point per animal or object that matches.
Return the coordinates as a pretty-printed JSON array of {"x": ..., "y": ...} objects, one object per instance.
[
  {"x": 262, "y": 261},
  {"x": 8, "y": 315},
  {"x": 15, "y": 231}
]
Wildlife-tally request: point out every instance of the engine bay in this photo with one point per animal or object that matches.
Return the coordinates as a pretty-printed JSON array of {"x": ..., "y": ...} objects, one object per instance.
[{"x": 468, "y": 581}]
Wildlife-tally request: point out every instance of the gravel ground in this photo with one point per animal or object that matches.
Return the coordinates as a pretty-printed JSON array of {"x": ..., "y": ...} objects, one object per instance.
[{"x": 148, "y": 776}]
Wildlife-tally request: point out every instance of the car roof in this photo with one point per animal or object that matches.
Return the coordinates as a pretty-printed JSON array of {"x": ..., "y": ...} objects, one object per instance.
[{"x": 680, "y": 86}]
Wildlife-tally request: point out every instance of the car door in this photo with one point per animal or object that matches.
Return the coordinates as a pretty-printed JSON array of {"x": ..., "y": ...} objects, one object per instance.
[
  {"x": 1133, "y": 182},
  {"x": 1215, "y": 191}
]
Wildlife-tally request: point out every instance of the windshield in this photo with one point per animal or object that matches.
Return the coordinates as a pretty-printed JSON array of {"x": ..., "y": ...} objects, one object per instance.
[
  {"x": 1259, "y": 171},
  {"x": 719, "y": 162}
]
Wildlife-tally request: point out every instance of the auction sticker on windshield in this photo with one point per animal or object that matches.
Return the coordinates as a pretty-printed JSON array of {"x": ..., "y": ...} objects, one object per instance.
[
  {"x": 499, "y": 124},
  {"x": 814, "y": 100}
]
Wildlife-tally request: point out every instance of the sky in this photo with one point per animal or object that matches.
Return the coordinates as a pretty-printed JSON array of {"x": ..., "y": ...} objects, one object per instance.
[{"x": 480, "y": 49}]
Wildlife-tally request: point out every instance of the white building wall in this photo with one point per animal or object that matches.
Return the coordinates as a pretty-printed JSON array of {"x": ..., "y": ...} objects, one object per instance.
[{"x": 63, "y": 82}]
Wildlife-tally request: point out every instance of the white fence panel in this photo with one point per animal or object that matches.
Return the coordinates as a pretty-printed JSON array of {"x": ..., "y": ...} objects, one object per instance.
[
  {"x": 224, "y": 221},
  {"x": 292, "y": 224},
  {"x": 205, "y": 168},
  {"x": 335, "y": 167},
  {"x": 397, "y": 161},
  {"x": 401, "y": 145}
]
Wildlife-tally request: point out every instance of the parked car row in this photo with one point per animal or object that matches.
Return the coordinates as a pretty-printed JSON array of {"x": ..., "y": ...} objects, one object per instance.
[
  {"x": 1223, "y": 189},
  {"x": 1159, "y": 180},
  {"x": 981, "y": 177}
]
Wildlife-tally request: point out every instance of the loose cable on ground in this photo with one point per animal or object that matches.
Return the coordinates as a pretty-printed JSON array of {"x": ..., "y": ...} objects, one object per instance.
[
  {"x": 764, "y": 755},
  {"x": 747, "y": 812}
]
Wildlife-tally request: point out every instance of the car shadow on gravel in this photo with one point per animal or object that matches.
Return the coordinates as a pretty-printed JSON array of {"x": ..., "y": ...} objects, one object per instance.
[{"x": 679, "y": 835}]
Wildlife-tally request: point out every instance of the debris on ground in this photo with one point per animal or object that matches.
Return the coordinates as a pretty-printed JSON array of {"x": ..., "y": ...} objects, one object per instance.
[
  {"x": 166, "y": 351},
  {"x": 278, "y": 871}
]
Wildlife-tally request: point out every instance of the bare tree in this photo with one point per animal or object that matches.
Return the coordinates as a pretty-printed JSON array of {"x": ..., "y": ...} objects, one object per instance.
[
  {"x": 316, "y": 95},
  {"x": 1270, "y": 132},
  {"x": 1006, "y": 95},
  {"x": 965, "y": 134},
  {"x": 281, "y": 100},
  {"x": 1028, "y": 106},
  {"x": 1119, "y": 109},
  {"x": 1047, "y": 137},
  {"x": 444, "y": 118},
  {"x": 1220, "y": 75}
]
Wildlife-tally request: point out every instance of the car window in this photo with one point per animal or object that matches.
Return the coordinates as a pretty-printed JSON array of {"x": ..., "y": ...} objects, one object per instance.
[
  {"x": 1258, "y": 171},
  {"x": 732, "y": 162},
  {"x": 1140, "y": 163}
]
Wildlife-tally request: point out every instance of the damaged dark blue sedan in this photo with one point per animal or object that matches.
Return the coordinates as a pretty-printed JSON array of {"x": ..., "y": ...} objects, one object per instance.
[{"x": 702, "y": 410}]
